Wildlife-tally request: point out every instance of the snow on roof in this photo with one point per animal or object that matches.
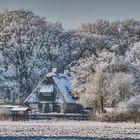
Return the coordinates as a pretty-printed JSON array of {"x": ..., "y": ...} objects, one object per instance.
[
  {"x": 64, "y": 84},
  {"x": 46, "y": 88},
  {"x": 50, "y": 74},
  {"x": 21, "y": 109}
]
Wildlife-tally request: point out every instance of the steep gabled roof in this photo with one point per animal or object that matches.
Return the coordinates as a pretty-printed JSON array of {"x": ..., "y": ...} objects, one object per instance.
[{"x": 63, "y": 83}]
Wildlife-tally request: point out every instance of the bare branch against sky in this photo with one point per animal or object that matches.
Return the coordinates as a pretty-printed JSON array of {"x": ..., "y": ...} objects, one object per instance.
[{"x": 72, "y": 13}]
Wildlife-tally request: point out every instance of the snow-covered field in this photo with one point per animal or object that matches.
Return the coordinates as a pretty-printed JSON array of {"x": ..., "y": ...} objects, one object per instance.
[{"x": 70, "y": 128}]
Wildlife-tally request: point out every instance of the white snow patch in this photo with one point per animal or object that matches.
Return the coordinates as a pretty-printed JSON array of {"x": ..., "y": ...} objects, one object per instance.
[
  {"x": 46, "y": 88},
  {"x": 51, "y": 74}
]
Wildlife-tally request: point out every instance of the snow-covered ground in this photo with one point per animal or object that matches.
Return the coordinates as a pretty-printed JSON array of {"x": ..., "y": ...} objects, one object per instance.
[{"x": 70, "y": 128}]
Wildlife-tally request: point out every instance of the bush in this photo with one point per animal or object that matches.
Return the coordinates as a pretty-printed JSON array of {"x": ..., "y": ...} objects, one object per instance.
[
  {"x": 118, "y": 117},
  {"x": 4, "y": 114},
  {"x": 1, "y": 114}
]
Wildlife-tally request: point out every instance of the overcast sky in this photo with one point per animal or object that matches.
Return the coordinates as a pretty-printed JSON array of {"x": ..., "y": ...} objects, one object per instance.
[{"x": 72, "y": 13}]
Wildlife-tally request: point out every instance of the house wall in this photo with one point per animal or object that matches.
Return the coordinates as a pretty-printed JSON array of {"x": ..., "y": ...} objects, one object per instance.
[{"x": 73, "y": 108}]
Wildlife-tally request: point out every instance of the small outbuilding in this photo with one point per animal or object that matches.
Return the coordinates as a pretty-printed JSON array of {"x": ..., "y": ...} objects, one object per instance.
[{"x": 20, "y": 113}]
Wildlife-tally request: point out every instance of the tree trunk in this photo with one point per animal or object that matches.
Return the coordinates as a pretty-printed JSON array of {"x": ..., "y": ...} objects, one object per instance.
[{"x": 102, "y": 104}]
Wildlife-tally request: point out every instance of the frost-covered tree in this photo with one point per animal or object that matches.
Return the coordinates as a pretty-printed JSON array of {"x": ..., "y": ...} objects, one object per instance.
[
  {"x": 26, "y": 38},
  {"x": 105, "y": 81},
  {"x": 112, "y": 74},
  {"x": 100, "y": 27},
  {"x": 123, "y": 34}
]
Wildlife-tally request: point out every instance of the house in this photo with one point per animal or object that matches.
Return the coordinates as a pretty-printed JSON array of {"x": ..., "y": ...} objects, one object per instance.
[{"x": 53, "y": 94}]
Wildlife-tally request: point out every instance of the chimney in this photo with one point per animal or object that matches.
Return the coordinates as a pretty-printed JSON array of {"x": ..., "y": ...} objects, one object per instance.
[{"x": 54, "y": 70}]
